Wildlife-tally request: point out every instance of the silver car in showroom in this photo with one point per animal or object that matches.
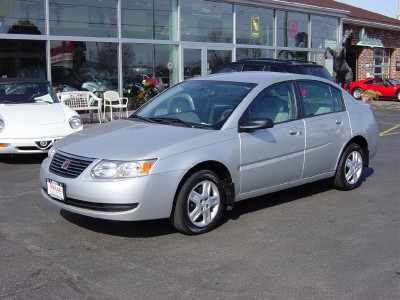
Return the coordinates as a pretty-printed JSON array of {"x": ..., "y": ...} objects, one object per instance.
[{"x": 197, "y": 148}]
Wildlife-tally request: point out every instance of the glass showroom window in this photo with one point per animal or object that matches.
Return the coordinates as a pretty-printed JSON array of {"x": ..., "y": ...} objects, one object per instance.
[
  {"x": 20, "y": 58},
  {"x": 324, "y": 32},
  {"x": 154, "y": 64},
  {"x": 242, "y": 53},
  {"x": 90, "y": 66},
  {"x": 149, "y": 19},
  {"x": 381, "y": 62},
  {"x": 22, "y": 17},
  {"x": 254, "y": 26},
  {"x": 92, "y": 18},
  {"x": 292, "y": 31},
  {"x": 205, "y": 21}
]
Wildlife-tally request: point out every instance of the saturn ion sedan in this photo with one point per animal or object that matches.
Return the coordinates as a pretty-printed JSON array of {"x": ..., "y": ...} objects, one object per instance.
[
  {"x": 32, "y": 118},
  {"x": 197, "y": 148}
]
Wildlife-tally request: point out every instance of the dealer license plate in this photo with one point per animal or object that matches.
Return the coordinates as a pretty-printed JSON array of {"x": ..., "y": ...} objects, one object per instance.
[{"x": 56, "y": 189}]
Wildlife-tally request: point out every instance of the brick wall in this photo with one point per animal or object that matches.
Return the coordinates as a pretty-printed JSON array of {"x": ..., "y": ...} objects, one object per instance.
[{"x": 390, "y": 39}]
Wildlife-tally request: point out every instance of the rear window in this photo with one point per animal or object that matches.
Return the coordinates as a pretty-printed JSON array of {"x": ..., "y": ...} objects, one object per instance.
[{"x": 229, "y": 68}]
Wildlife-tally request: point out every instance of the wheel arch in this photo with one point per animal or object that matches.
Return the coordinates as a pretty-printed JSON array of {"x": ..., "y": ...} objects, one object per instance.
[
  {"x": 363, "y": 143},
  {"x": 221, "y": 171}
]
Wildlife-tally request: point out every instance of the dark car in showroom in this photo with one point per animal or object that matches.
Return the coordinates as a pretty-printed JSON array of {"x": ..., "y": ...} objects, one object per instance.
[{"x": 275, "y": 65}]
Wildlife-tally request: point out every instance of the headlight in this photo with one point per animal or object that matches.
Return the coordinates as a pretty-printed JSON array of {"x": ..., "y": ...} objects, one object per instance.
[
  {"x": 1, "y": 125},
  {"x": 75, "y": 122},
  {"x": 122, "y": 169},
  {"x": 51, "y": 152}
]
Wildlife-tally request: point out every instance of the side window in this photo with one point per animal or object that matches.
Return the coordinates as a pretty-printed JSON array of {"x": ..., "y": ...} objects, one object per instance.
[
  {"x": 252, "y": 68},
  {"x": 275, "y": 69},
  {"x": 276, "y": 103},
  {"x": 320, "y": 98}
]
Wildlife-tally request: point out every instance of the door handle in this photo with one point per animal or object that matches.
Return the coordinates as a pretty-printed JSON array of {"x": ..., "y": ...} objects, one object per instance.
[
  {"x": 295, "y": 131},
  {"x": 339, "y": 121}
]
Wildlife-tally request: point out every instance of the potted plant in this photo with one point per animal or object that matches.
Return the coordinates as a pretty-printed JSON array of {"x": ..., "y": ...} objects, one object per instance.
[{"x": 369, "y": 95}]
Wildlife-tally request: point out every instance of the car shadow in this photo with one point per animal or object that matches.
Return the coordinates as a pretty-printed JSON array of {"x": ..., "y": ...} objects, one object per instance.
[
  {"x": 22, "y": 159},
  {"x": 153, "y": 228},
  {"x": 130, "y": 229},
  {"x": 284, "y": 196}
]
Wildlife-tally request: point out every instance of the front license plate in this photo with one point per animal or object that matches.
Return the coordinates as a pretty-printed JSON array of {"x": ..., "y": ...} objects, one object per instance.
[{"x": 56, "y": 189}]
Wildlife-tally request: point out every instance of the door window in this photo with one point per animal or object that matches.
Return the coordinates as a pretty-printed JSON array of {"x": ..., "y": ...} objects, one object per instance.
[
  {"x": 276, "y": 103},
  {"x": 319, "y": 98}
]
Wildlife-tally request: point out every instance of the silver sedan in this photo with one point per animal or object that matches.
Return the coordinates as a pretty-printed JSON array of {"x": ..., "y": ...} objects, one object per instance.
[{"x": 194, "y": 150}]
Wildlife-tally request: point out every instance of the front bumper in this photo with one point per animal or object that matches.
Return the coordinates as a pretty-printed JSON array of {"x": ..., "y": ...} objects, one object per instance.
[
  {"x": 142, "y": 198},
  {"x": 27, "y": 145}
]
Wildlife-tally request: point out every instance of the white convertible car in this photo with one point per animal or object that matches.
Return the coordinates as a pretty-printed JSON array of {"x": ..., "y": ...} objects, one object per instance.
[{"x": 32, "y": 118}]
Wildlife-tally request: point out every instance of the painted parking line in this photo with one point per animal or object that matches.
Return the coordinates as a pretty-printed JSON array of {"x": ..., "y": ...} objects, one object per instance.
[{"x": 391, "y": 131}]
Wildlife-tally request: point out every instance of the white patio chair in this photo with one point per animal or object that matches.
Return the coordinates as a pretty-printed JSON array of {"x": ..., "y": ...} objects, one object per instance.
[
  {"x": 112, "y": 100},
  {"x": 82, "y": 101}
]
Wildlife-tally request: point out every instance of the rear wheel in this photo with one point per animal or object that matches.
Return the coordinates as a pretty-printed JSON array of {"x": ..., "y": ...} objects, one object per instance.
[
  {"x": 357, "y": 93},
  {"x": 398, "y": 95},
  {"x": 350, "y": 168},
  {"x": 199, "y": 203}
]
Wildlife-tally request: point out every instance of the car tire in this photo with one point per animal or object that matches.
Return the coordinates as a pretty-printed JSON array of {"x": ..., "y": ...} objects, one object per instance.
[
  {"x": 357, "y": 93},
  {"x": 350, "y": 168},
  {"x": 398, "y": 95},
  {"x": 199, "y": 203}
]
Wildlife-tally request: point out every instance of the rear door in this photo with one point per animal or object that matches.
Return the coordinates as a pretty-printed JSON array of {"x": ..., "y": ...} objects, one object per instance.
[{"x": 327, "y": 126}]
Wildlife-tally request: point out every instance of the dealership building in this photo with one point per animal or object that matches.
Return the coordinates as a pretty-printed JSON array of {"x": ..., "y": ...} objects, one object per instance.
[{"x": 70, "y": 41}]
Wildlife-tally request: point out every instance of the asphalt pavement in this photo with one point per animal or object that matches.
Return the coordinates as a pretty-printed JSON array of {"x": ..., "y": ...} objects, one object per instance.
[{"x": 310, "y": 242}]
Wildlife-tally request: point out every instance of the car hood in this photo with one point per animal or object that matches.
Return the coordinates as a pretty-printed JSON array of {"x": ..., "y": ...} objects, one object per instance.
[
  {"x": 33, "y": 114},
  {"x": 127, "y": 140}
]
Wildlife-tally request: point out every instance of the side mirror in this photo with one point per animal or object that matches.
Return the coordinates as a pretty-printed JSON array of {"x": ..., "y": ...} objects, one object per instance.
[{"x": 254, "y": 124}]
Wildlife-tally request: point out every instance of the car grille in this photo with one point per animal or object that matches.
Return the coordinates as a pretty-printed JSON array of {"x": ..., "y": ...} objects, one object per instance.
[{"x": 68, "y": 165}]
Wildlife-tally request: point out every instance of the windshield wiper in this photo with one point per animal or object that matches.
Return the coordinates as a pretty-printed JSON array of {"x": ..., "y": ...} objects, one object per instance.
[
  {"x": 173, "y": 120},
  {"x": 141, "y": 118}
]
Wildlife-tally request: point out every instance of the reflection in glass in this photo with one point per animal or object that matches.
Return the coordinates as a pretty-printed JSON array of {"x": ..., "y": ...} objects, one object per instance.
[
  {"x": 191, "y": 63},
  {"x": 22, "y": 17},
  {"x": 324, "y": 32},
  {"x": 147, "y": 70},
  {"x": 206, "y": 21},
  {"x": 242, "y": 53},
  {"x": 215, "y": 58},
  {"x": 83, "y": 18},
  {"x": 288, "y": 54},
  {"x": 146, "y": 19},
  {"x": 254, "y": 25},
  {"x": 292, "y": 29},
  {"x": 90, "y": 66},
  {"x": 19, "y": 58}
]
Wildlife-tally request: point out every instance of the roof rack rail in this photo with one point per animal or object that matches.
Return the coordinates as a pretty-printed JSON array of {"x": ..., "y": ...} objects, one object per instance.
[{"x": 279, "y": 60}]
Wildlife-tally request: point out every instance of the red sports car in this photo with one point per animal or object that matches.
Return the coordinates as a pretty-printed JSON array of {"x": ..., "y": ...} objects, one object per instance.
[{"x": 389, "y": 88}]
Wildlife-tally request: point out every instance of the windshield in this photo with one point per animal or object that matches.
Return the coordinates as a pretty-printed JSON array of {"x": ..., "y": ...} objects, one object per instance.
[
  {"x": 197, "y": 103},
  {"x": 21, "y": 93},
  {"x": 393, "y": 81}
]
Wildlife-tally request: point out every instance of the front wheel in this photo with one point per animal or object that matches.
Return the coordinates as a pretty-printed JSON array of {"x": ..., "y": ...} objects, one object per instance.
[
  {"x": 199, "y": 204},
  {"x": 398, "y": 95},
  {"x": 350, "y": 168},
  {"x": 357, "y": 93}
]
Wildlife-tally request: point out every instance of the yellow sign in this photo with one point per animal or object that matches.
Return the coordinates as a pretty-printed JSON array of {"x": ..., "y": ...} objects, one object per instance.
[{"x": 255, "y": 26}]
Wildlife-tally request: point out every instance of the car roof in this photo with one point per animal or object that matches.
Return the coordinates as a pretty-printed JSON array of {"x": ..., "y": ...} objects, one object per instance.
[
  {"x": 259, "y": 77},
  {"x": 13, "y": 80}
]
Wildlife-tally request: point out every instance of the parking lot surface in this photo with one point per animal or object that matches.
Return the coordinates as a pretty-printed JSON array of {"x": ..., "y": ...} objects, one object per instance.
[{"x": 310, "y": 242}]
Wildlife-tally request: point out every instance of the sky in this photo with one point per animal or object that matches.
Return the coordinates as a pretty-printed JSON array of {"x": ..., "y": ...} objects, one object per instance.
[{"x": 383, "y": 7}]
